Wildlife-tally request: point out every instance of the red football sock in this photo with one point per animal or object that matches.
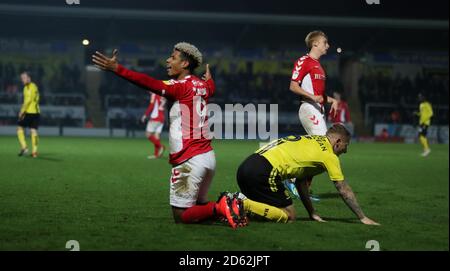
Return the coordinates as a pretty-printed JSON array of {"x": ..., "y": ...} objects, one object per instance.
[
  {"x": 198, "y": 213},
  {"x": 155, "y": 142},
  {"x": 152, "y": 139}
]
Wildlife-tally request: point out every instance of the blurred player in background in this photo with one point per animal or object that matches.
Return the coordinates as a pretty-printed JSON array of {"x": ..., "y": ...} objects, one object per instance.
[
  {"x": 342, "y": 114},
  {"x": 425, "y": 114},
  {"x": 260, "y": 175},
  {"x": 191, "y": 155},
  {"x": 155, "y": 115},
  {"x": 308, "y": 81},
  {"x": 29, "y": 115}
]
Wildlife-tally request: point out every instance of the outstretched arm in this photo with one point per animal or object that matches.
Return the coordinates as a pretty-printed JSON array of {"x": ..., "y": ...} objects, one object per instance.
[
  {"x": 349, "y": 198},
  {"x": 142, "y": 80},
  {"x": 106, "y": 63}
]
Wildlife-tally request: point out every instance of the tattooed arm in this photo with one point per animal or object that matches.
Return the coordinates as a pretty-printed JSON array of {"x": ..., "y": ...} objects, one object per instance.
[{"x": 349, "y": 198}]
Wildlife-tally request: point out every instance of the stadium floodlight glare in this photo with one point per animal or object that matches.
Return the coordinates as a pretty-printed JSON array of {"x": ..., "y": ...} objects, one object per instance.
[{"x": 85, "y": 42}]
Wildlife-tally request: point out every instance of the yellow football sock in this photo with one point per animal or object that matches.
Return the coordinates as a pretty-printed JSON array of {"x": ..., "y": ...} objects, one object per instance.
[
  {"x": 424, "y": 142},
  {"x": 264, "y": 210},
  {"x": 21, "y": 137},
  {"x": 34, "y": 142}
]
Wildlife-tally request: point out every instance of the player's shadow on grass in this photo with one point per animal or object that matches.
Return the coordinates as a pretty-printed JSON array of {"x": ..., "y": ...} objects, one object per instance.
[
  {"x": 48, "y": 157},
  {"x": 330, "y": 219},
  {"x": 343, "y": 220},
  {"x": 329, "y": 196}
]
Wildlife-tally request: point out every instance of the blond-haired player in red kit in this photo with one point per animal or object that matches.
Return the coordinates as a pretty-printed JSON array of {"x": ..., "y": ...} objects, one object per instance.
[{"x": 308, "y": 81}]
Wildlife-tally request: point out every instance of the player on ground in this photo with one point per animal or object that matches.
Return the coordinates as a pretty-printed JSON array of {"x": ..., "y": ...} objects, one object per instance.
[
  {"x": 155, "y": 115},
  {"x": 191, "y": 155},
  {"x": 308, "y": 81},
  {"x": 29, "y": 115},
  {"x": 425, "y": 113},
  {"x": 260, "y": 175}
]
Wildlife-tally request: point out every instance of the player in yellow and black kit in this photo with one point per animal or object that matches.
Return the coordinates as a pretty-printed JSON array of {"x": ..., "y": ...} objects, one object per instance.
[
  {"x": 260, "y": 176},
  {"x": 29, "y": 115},
  {"x": 425, "y": 113}
]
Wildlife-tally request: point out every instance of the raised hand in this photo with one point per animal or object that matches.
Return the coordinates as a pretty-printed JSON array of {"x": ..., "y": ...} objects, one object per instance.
[
  {"x": 106, "y": 63},
  {"x": 207, "y": 74}
]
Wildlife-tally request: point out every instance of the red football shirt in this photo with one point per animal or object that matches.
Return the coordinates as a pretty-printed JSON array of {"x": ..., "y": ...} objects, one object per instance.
[
  {"x": 310, "y": 75},
  {"x": 188, "y": 119},
  {"x": 342, "y": 114},
  {"x": 156, "y": 108}
]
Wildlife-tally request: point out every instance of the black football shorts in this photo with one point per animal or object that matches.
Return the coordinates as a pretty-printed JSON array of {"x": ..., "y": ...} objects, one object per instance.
[
  {"x": 30, "y": 120},
  {"x": 260, "y": 182},
  {"x": 423, "y": 129}
]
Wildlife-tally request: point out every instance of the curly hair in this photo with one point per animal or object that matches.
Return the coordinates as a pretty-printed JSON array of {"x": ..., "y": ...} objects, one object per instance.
[{"x": 190, "y": 53}]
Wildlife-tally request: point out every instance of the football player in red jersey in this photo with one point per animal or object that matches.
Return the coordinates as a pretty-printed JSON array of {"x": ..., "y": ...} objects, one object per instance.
[
  {"x": 191, "y": 155},
  {"x": 308, "y": 81},
  {"x": 155, "y": 116},
  {"x": 342, "y": 115}
]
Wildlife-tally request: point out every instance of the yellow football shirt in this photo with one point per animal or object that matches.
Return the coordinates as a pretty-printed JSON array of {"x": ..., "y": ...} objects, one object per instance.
[
  {"x": 425, "y": 113},
  {"x": 302, "y": 156},
  {"x": 30, "y": 99}
]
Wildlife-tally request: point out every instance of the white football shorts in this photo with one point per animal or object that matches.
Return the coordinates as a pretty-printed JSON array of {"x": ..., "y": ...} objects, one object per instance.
[
  {"x": 154, "y": 127},
  {"x": 313, "y": 121},
  {"x": 190, "y": 180}
]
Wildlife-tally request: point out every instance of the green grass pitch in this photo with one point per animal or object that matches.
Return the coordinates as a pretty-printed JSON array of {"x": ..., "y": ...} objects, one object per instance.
[{"x": 105, "y": 194}]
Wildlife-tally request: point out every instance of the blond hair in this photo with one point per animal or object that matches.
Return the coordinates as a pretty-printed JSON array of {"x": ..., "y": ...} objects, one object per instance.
[
  {"x": 190, "y": 52},
  {"x": 313, "y": 36},
  {"x": 339, "y": 129}
]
